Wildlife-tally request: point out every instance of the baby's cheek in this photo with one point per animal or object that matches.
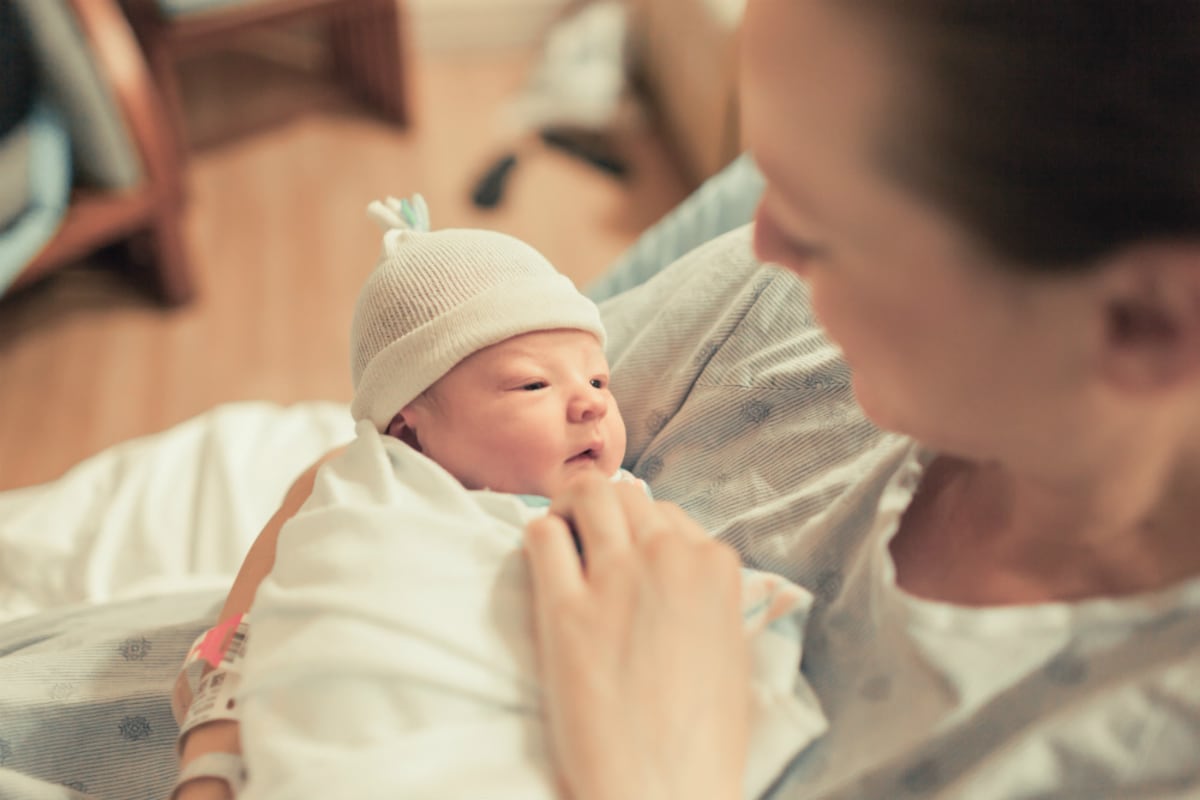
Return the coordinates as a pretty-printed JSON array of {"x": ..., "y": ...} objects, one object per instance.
[
  {"x": 616, "y": 450},
  {"x": 610, "y": 462}
]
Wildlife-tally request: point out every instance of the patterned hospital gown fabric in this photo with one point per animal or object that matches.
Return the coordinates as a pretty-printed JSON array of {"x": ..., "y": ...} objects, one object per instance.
[{"x": 83, "y": 698}]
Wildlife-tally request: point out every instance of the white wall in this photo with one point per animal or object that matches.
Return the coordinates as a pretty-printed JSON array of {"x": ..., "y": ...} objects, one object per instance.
[{"x": 480, "y": 24}]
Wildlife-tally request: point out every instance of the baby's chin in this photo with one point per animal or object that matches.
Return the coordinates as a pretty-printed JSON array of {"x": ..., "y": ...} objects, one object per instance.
[
  {"x": 550, "y": 482},
  {"x": 572, "y": 470}
]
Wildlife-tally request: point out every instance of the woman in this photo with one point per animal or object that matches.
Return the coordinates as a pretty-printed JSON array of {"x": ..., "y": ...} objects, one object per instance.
[{"x": 996, "y": 209}]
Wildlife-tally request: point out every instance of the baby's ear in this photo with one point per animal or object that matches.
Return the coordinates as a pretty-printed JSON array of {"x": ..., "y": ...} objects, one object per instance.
[
  {"x": 400, "y": 430},
  {"x": 395, "y": 426}
]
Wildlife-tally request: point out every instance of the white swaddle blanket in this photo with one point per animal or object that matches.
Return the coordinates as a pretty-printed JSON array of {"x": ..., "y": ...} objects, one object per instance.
[{"x": 392, "y": 652}]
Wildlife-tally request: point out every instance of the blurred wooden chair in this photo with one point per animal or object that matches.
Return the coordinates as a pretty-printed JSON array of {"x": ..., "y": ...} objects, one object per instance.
[
  {"x": 366, "y": 41},
  {"x": 148, "y": 212}
]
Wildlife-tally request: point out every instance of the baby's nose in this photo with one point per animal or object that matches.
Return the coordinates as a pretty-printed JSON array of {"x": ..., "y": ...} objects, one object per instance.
[{"x": 590, "y": 404}]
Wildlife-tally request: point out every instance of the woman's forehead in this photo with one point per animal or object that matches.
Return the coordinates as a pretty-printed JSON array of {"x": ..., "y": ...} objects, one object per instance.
[
  {"x": 814, "y": 90},
  {"x": 815, "y": 56},
  {"x": 823, "y": 102}
]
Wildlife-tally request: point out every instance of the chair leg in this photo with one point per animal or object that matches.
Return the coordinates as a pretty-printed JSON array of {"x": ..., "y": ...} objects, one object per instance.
[
  {"x": 170, "y": 263},
  {"x": 167, "y": 77},
  {"x": 368, "y": 50}
]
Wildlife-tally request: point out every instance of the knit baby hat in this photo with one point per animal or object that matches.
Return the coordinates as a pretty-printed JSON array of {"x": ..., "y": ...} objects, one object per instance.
[{"x": 436, "y": 297}]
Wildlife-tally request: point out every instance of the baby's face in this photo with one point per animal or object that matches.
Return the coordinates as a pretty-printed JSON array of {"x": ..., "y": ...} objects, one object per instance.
[{"x": 524, "y": 415}]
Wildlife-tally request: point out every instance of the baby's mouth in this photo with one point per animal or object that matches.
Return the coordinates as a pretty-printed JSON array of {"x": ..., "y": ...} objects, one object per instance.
[{"x": 584, "y": 456}]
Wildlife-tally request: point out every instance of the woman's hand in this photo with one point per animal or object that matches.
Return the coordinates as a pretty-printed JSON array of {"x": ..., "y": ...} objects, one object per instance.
[{"x": 643, "y": 660}]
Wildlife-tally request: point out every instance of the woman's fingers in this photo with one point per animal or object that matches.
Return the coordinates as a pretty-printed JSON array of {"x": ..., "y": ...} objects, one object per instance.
[
  {"x": 643, "y": 515},
  {"x": 678, "y": 520},
  {"x": 554, "y": 563},
  {"x": 590, "y": 506},
  {"x": 643, "y": 668},
  {"x": 608, "y": 519}
]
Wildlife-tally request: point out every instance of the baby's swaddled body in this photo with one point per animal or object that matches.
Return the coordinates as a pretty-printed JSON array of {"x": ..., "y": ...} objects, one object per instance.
[{"x": 393, "y": 655}]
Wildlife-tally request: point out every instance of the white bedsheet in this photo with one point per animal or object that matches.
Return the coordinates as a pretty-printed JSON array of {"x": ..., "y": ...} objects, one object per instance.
[
  {"x": 174, "y": 511},
  {"x": 392, "y": 648}
]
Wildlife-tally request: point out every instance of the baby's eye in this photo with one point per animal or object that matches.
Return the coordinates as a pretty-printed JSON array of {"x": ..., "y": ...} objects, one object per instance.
[
  {"x": 534, "y": 386},
  {"x": 597, "y": 383}
]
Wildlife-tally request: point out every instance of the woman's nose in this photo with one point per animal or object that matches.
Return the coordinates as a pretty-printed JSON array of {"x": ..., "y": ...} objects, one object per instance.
[
  {"x": 772, "y": 246},
  {"x": 590, "y": 404}
]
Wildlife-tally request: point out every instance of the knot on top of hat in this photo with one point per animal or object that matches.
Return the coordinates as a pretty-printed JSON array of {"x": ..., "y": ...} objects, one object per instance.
[{"x": 403, "y": 214}]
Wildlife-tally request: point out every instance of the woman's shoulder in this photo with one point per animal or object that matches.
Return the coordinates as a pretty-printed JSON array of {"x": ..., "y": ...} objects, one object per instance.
[
  {"x": 738, "y": 407},
  {"x": 719, "y": 321}
]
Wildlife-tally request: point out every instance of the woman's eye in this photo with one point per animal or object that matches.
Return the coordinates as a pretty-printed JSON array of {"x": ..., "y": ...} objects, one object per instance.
[
  {"x": 808, "y": 251},
  {"x": 774, "y": 245}
]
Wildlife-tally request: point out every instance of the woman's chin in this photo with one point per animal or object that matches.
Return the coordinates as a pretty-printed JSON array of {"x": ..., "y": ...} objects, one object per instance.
[
  {"x": 865, "y": 398},
  {"x": 932, "y": 432},
  {"x": 875, "y": 406}
]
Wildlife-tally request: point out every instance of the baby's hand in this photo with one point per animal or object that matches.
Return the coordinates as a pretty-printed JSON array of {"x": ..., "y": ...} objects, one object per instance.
[{"x": 204, "y": 789}]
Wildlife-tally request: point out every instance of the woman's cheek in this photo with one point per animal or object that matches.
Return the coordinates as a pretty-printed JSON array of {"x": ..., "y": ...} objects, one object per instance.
[
  {"x": 770, "y": 246},
  {"x": 818, "y": 292},
  {"x": 847, "y": 324}
]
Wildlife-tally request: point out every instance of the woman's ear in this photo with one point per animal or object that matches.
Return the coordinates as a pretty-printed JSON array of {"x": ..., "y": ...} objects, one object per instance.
[
  {"x": 401, "y": 430},
  {"x": 1152, "y": 319}
]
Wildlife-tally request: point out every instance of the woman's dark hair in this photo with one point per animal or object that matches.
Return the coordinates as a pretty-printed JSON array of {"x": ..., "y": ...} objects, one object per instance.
[{"x": 1056, "y": 131}]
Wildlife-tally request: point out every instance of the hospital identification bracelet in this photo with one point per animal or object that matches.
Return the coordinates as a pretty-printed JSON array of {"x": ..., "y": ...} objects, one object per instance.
[{"x": 213, "y": 695}]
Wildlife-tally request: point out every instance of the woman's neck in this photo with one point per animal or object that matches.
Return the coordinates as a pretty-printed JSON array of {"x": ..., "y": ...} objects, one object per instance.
[{"x": 981, "y": 534}]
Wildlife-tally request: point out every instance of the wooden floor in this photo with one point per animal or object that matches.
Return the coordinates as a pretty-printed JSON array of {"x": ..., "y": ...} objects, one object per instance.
[{"x": 283, "y": 164}]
